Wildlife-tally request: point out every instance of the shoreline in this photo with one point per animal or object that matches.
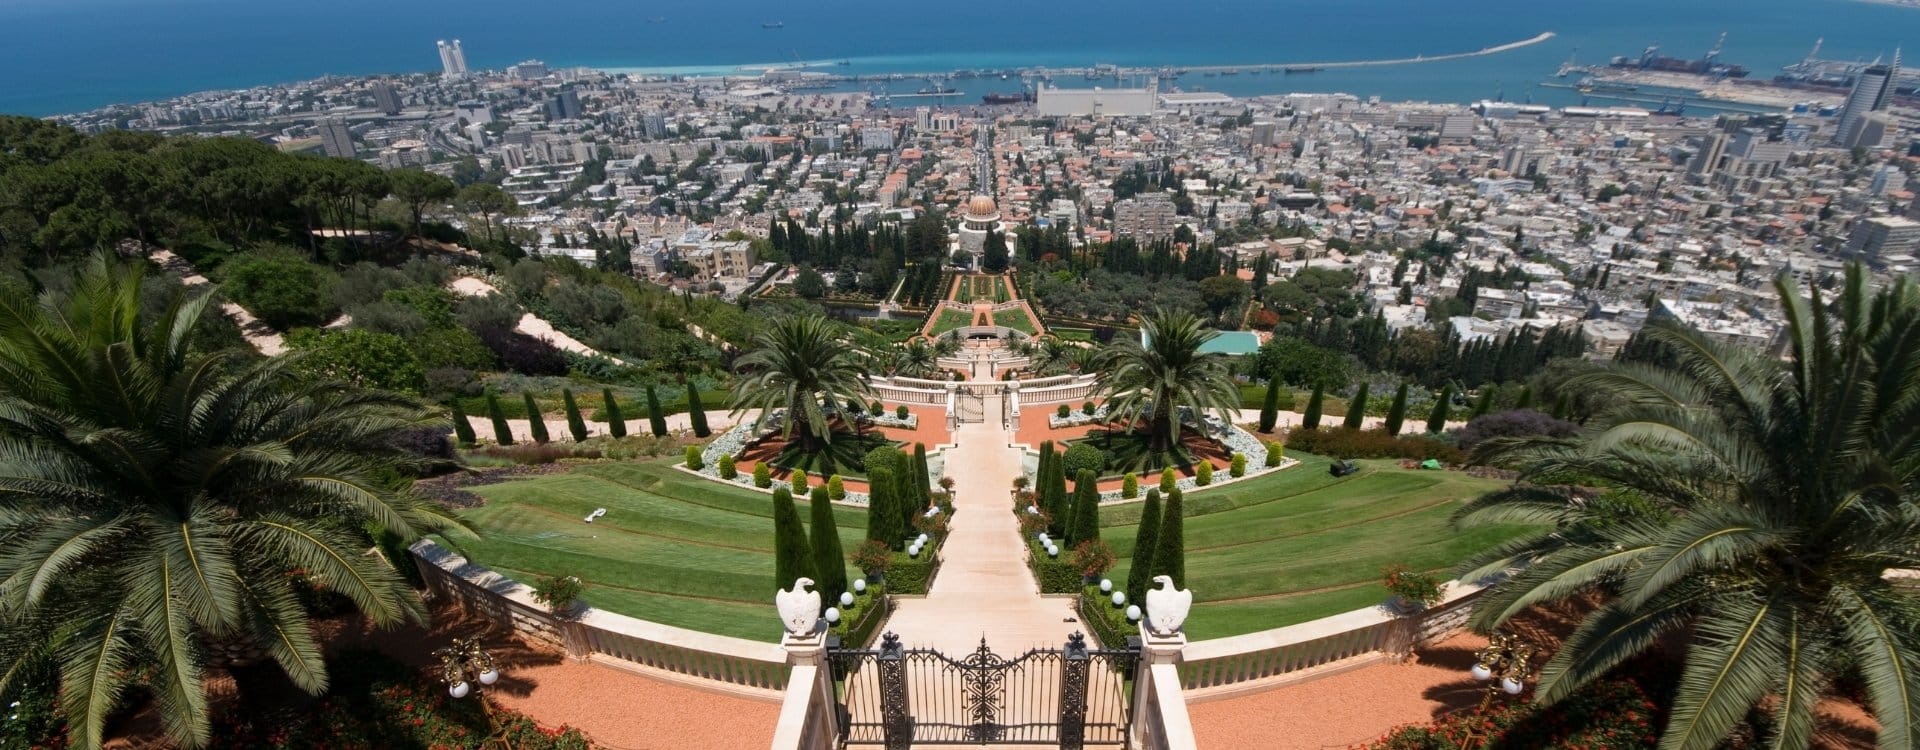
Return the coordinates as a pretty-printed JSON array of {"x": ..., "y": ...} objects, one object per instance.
[{"x": 747, "y": 70}]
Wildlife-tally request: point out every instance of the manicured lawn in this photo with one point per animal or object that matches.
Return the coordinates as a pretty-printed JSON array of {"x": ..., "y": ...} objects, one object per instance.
[
  {"x": 1299, "y": 544},
  {"x": 950, "y": 319},
  {"x": 1015, "y": 319},
  {"x": 672, "y": 548}
]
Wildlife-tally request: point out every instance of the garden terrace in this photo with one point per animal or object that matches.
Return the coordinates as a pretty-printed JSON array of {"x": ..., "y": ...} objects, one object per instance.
[
  {"x": 673, "y": 548},
  {"x": 1298, "y": 544}
]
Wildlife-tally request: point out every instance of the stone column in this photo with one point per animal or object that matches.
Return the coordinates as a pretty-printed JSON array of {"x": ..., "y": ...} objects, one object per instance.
[
  {"x": 1162, "y": 651},
  {"x": 809, "y": 721},
  {"x": 953, "y": 406}
]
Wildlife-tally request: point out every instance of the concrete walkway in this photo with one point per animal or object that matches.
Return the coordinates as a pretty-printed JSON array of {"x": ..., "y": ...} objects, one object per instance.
[{"x": 983, "y": 588}]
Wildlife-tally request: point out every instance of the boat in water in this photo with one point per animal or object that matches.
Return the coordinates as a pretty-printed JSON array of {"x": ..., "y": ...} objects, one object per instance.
[
  {"x": 774, "y": 25},
  {"x": 935, "y": 90},
  {"x": 1291, "y": 70},
  {"x": 1007, "y": 98}
]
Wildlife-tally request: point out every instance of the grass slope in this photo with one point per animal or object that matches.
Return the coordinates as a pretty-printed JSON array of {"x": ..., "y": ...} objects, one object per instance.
[
  {"x": 1299, "y": 544},
  {"x": 672, "y": 548}
]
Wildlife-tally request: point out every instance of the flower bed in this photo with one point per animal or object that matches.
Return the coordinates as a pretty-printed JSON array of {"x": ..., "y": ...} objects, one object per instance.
[
  {"x": 1613, "y": 714},
  {"x": 1235, "y": 439},
  {"x": 870, "y": 608},
  {"x": 375, "y": 701},
  {"x": 1106, "y": 621}
]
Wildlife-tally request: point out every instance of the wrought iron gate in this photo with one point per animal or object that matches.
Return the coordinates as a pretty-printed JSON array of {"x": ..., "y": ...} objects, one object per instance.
[{"x": 896, "y": 697}]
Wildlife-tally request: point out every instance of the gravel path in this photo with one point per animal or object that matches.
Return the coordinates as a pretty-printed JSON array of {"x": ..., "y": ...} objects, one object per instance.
[{"x": 529, "y": 324}]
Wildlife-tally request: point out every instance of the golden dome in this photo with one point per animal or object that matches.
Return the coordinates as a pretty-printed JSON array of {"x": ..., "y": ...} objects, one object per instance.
[{"x": 982, "y": 206}]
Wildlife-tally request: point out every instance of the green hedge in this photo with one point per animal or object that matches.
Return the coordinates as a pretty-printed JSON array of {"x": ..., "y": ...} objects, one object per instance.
[
  {"x": 910, "y": 576},
  {"x": 1107, "y": 622},
  {"x": 870, "y": 609},
  {"x": 1055, "y": 575}
]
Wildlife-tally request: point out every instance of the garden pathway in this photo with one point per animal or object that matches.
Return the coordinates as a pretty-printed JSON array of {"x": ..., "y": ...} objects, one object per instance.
[{"x": 983, "y": 589}]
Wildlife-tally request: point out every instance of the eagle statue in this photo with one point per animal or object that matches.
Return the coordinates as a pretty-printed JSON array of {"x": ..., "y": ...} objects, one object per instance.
[
  {"x": 1167, "y": 606},
  {"x": 799, "y": 608}
]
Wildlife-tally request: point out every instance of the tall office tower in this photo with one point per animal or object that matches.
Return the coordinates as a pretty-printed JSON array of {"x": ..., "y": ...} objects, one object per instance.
[
  {"x": 335, "y": 138},
  {"x": 386, "y": 98},
  {"x": 1871, "y": 90},
  {"x": 459, "y": 58},
  {"x": 565, "y": 105},
  {"x": 1707, "y": 159},
  {"x": 453, "y": 60}
]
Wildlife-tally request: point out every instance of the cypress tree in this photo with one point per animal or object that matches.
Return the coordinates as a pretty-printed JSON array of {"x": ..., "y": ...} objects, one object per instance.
[
  {"x": 536, "y": 422},
  {"x": 1312, "y": 419},
  {"x": 1437, "y": 420},
  {"x": 502, "y": 434},
  {"x": 655, "y": 420},
  {"x": 1356, "y": 409},
  {"x": 1526, "y": 398},
  {"x": 792, "y": 558},
  {"x": 1270, "y": 408},
  {"x": 1484, "y": 404},
  {"x": 1397, "y": 412},
  {"x": 881, "y": 516},
  {"x": 921, "y": 477},
  {"x": 695, "y": 412},
  {"x": 907, "y": 501},
  {"x": 1170, "y": 549},
  {"x": 462, "y": 429},
  {"x": 829, "y": 562},
  {"x": 575, "y": 424},
  {"x": 1563, "y": 405},
  {"x": 1145, "y": 539},
  {"x": 1086, "y": 508},
  {"x": 1057, "y": 499},
  {"x": 616, "y": 424}
]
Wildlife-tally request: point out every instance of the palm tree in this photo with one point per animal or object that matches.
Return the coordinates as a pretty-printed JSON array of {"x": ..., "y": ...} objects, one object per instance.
[
  {"x": 156, "y": 499},
  {"x": 1752, "y": 508},
  {"x": 1168, "y": 372},
  {"x": 795, "y": 364},
  {"x": 918, "y": 359},
  {"x": 1050, "y": 357}
]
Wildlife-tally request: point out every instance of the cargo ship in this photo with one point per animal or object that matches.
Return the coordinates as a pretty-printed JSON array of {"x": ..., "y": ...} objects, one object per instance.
[
  {"x": 1294, "y": 70},
  {"x": 1007, "y": 98},
  {"x": 1651, "y": 59}
]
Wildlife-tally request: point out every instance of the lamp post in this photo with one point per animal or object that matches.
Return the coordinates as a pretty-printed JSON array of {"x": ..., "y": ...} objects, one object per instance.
[
  {"x": 461, "y": 665},
  {"x": 1503, "y": 665}
]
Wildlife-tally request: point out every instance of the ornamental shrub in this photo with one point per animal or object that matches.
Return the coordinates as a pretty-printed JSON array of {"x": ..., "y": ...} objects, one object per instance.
[
  {"x": 1611, "y": 713},
  {"x": 693, "y": 458},
  {"x": 761, "y": 477},
  {"x": 1203, "y": 473},
  {"x": 829, "y": 562},
  {"x": 1437, "y": 419},
  {"x": 558, "y": 592},
  {"x": 1092, "y": 557},
  {"x": 1064, "y": 411},
  {"x": 536, "y": 422},
  {"x": 1419, "y": 588},
  {"x": 656, "y": 420},
  {"x": 725, "y": 465},
  {"x": 1145, "y": 543},
  {"x": 1340, "y": 442},
  {"x": 1168, "y": 480},
  {"x": 792, "y": 556},
  {"x": 1170, "y": 547},
  {"x": 1084, "y": 457},
  {"x": 1130, "y": 486},
  {"x": 872, "y": 557},
  {"x": 575, "y": 424},
  {"x": 1513, "y": 423},
  {"x": 1357, "y": 409},
  {"x": 1237, "y": 468},
  {"x": 1315, "y": 403},
  {"x": 1276, "y": 453},
  {"x": 1087, "y": 408},
  {"x": 799, "y": 481},
  {"x": 901, "y": 412},
  {"x": 1085, "y": 523},
  {"x": 1397, "y": 412},
  {"x": 836, "y": 489},
  {"x": 883, "y": 457},
  {"x": 1270, "y": 406},
  {"x": 462, "y": 429},
  {"x": 616, "y": 424},
  {"x": 876, "y": 408},
  {"x": 696, "y": 413},
  {"x": 502, "y": 433}
]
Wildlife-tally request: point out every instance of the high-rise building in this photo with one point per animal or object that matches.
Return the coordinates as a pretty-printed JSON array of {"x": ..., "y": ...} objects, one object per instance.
[
  {"x": 336, "y": 139},
  {"x": 453, "y": 60},
  {"x": 1871, "y": 90},
  {"x": 655, "y": 123},
  {"x": 565, "y": 105},
  {"x": 1712, "y": 149},
  {"x": 386, "y": 98},
  {"x": 1883, "y": 237},
  {"x": 1145, "y": 217},
  {"x": 528, "y": 70}
]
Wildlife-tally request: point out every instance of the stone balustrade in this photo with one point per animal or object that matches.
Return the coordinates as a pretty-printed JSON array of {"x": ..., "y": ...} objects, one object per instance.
[
  {"x": 1242, "y": 663},
  {"x": 736, "y": 665}
]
